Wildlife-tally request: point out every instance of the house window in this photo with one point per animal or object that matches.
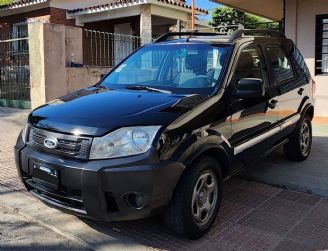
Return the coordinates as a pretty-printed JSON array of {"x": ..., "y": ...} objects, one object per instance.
[
  {"x": 321, "y": 65},
  {"x": 19, "y": 33}
]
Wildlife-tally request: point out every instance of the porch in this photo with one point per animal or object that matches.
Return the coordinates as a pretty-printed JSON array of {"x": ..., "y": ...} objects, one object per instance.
[{"x": 147, "y": 19}]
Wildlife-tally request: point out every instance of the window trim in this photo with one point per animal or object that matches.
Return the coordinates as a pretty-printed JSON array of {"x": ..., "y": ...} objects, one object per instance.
[{"x": 318, "y": 44}]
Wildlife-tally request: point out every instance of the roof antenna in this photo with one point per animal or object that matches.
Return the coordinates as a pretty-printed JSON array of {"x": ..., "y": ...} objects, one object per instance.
[{"x": 191, "y": 34}]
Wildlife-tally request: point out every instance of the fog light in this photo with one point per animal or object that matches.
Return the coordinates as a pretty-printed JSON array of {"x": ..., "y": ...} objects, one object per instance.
[{"x": 136, "y": 200}]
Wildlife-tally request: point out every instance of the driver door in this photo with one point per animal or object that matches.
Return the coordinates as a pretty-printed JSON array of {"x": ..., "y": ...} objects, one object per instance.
[{"x": 252, "y": 119}]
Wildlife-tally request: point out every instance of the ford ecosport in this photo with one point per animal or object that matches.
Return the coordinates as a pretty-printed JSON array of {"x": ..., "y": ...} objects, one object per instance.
[{"x": 163, "y": 130}]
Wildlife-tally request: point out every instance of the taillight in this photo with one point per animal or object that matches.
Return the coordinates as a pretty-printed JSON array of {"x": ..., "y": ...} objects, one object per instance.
[{"x": 314, "y": 87}]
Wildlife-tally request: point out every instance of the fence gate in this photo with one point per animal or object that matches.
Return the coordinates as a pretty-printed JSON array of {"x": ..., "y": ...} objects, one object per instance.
[{"x": 14, "y": 68}]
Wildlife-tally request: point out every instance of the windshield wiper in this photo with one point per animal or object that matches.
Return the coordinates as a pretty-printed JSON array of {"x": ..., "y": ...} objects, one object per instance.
[
  {"x": 102, "y": 87},
  {"x": 147, "y": 88}
]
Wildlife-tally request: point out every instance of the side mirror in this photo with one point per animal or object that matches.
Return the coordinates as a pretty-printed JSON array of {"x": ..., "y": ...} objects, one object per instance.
[{"x": 249, "y": 88}]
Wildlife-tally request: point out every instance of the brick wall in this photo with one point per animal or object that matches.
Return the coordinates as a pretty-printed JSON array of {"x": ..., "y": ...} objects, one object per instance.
[
  {"x": 7, "y": 21},
  {"x": 58, "y": 16},
  {"x": 51, "y": 15}
]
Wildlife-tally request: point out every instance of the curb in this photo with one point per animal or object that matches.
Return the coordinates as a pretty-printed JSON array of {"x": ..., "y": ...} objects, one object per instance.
[{"x": 66, "y": 225}]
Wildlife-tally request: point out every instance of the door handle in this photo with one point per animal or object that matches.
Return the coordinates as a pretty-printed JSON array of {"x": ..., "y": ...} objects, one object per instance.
[
  {"x": 300, "y": 91},
  {"x": 273, "y": 103}
]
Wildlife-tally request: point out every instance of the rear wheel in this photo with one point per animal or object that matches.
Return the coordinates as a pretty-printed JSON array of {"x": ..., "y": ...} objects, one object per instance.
[
  {"x": 299, "y": 146},
  {"x": 196, "y": 201}
]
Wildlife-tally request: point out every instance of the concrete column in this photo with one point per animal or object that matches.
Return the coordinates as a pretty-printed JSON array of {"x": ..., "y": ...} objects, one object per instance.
[
  {"x": 47, "y": 62},
  {"x": 74, "y": 47},
  {"x": 291, "y": 19},
  {"x": 145, "y": 24},
  {"x": 37, "y": 70},
  {"x": 187, "y": 25},
  {"x": 55, "y": 61}
]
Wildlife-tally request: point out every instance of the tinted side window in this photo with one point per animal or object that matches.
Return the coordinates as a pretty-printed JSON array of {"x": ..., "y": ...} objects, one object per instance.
[
  {"x": 297, "y": 60},
  {"x": 301, "y": 63},
  {"x": 250, "y": 65},
  {"x": 282, "y": 68}
]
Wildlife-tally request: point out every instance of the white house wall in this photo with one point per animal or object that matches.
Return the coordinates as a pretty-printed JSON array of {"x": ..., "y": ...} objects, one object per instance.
[
  {"x": 300, "y": 26},
  {"x": 162, "y": 11}
]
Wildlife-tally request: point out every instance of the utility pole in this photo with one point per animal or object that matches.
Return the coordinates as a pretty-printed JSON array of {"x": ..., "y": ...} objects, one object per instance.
[{"x": 193, "y": 15}]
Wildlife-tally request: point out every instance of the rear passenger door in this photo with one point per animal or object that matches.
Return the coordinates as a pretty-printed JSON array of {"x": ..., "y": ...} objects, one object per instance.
[
  {"x": 252, "y": 119},
  {"x": 285, "y": 80}
]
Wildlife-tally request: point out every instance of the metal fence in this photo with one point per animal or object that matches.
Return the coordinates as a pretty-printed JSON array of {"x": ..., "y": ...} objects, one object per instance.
[
  {"x": 107, "y": 49},
  {"x": 14, "y": 68}
]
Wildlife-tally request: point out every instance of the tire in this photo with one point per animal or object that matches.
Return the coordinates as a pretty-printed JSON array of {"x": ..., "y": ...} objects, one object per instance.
[
  {"x": 181, "y": 215},
  {"x": 299, "y": 146}
]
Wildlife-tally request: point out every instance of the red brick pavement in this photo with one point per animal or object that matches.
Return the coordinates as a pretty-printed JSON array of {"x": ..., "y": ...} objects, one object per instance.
[{"x": 253, "y": 216}]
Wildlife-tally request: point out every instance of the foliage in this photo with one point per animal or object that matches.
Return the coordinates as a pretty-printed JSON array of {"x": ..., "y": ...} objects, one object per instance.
[
  {"x": 224, "y": 16},
  {"x": 5, "y": 2}
]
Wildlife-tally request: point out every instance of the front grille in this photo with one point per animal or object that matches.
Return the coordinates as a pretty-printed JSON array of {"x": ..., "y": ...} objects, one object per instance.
[{"x": 67, "y": 145}]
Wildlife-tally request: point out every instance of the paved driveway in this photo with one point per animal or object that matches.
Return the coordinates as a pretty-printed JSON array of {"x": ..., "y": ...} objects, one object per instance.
[
  {"x": 310, "y": 176},
  {"x": 254, "y": 216}
]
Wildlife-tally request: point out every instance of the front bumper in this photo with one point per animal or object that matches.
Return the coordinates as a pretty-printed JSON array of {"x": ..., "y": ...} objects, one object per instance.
[{"x": 101, "y": 189}]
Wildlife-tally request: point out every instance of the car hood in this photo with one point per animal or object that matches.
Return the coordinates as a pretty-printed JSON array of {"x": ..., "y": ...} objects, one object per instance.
[{"x": 95, "y": 112}]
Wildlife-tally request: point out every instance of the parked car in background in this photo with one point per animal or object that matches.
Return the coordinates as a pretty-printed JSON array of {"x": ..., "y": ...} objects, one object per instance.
[{"x": 163, "y": 130}]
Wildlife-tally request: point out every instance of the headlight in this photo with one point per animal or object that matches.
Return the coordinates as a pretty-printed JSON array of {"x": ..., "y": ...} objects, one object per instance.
[
  {"x": 124, "y": 142},
  {"x": 24, "y": 133}
]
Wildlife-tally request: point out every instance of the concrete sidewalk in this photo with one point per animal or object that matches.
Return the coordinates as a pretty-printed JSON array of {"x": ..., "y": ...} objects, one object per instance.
[
  {"x": 19, "y": 233},
  {"x": 254, "y": 216}
]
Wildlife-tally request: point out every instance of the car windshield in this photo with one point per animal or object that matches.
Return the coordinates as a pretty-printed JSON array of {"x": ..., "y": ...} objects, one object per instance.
[{"x": 178, "y": 68}]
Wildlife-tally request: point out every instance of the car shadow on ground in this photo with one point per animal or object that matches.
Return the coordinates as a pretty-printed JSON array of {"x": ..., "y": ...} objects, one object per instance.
[
  {"x": 310, "y": 176},
  {"x": 266, "y": 214},
  {"x": 152, "y": 232}
]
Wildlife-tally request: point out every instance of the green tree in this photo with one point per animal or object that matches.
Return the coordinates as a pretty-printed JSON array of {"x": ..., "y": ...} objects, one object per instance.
[
  {"x": 225, "y": 16},
  {"x": 4, "y": 2}
]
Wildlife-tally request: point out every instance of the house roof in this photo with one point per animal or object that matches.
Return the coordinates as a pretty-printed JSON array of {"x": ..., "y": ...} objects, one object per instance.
[
  {"x": 21, "y": 3},
  {"x": 127, "y": 3}
]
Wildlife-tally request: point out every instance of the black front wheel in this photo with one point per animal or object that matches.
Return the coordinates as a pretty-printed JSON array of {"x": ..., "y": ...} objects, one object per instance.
[
  {"x": 197, "y": 198},
  {"x": 299, "y": 146}
]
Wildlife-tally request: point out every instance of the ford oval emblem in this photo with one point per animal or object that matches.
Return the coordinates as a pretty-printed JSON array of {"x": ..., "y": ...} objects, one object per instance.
[{"x": 50, "y": 143}]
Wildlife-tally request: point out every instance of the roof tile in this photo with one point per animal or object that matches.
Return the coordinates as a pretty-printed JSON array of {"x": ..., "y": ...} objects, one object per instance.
[
  {"x": 21, "y": 3},
  {"x": 116, "y": 4}
]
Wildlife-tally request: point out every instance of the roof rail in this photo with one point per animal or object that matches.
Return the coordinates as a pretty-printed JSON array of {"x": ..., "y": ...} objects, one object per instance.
[
  {"x": 235, "y": 35},
  {"x": 187, "y": 33},
  {"x": 242, "y": 33}
]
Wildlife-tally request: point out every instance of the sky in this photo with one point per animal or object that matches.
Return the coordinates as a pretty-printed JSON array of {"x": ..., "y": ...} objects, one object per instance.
[{"x": 205, "y": 4}]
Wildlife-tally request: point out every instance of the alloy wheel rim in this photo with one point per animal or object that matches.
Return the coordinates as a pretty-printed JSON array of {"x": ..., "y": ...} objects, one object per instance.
[
  {"x": 205, "y": 196},
  {"x": 305, "y": 138}
]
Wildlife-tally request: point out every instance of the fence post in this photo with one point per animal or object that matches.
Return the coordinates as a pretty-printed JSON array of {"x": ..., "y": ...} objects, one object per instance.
[
  {"x": 47, "y": 62},
  {"x": 37, "y": 71},
  {"x": 145, "y": 24}
]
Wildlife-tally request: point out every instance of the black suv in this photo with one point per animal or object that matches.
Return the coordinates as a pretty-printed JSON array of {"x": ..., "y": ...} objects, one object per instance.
[{"x": 163, "y": 130}]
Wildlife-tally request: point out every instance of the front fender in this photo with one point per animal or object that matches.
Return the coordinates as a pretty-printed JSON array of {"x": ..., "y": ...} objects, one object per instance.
[{"x": 204, "y": 143}]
